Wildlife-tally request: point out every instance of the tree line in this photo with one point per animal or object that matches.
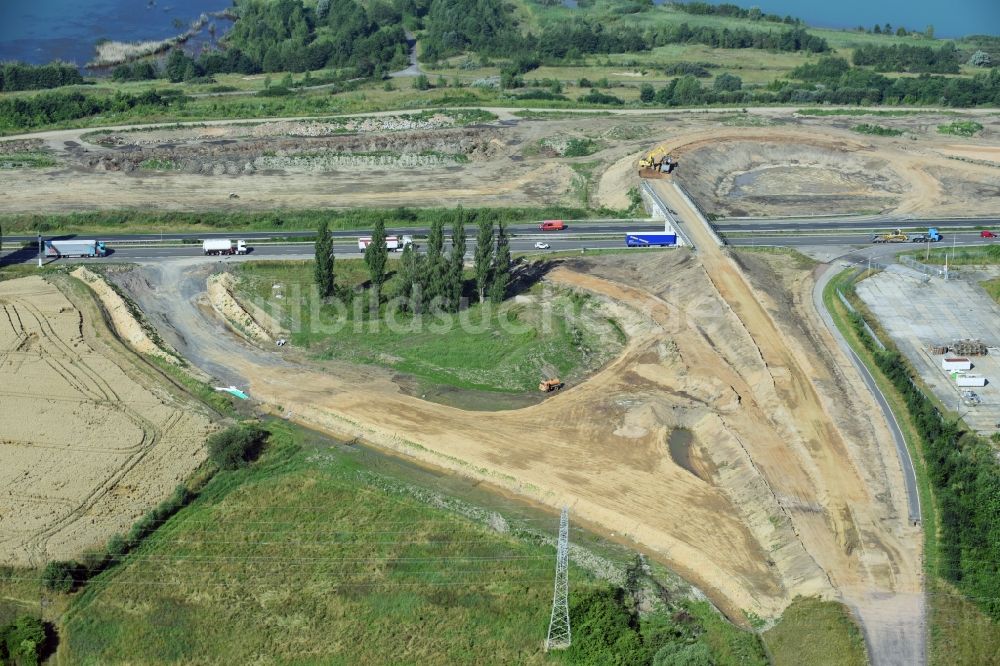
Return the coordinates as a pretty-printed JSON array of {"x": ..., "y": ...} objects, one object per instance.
[
  {"x": 435, "y": 279},
  {"x": 55, "y": 107},
  {"x": 908, "y": 58},
  {"x": 19, "y": 76},
  {"x": 828, "y": 81},
  {"x": 454, "y": 26},
  {"x": 964, "y": 472},
  {"x": 289, "y": 36},
  {"x": 735, "y": 11}
]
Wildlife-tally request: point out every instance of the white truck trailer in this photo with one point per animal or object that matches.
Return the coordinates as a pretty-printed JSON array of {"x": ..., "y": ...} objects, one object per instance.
[
  {"x": 75, "y": 248},
  {"x": 223, "y": 246}
]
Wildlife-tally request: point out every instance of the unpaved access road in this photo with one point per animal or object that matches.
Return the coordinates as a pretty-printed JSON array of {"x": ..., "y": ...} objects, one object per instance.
[
  {"x": 745, "y": 515},
  {"x": 862, "y": 539},
  {"x": 88, "y": 441}
]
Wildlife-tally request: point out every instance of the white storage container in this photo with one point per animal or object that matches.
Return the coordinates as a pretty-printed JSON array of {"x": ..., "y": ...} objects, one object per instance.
[
  {"x": 969, "y": 380},
  {"x": 955, "y": 363}
]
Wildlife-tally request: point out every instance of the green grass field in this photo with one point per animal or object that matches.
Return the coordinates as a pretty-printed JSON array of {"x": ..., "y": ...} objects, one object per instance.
[
  {"x": 817, "y": 633},
  {"x": 309, "y": 557},
  {"x": 960, "y": 256},
  {"x": 485, "y": 348}
]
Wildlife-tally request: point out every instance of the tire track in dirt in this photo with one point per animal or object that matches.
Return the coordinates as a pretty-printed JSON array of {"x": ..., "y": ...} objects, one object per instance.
[{"x": 82, "y": 510}]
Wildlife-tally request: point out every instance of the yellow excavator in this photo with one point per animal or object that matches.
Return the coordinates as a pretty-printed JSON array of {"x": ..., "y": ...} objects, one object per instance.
[{"x": 657, "y": 164}]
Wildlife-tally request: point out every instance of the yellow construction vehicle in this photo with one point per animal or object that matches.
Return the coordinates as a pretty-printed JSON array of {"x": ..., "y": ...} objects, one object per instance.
[
  {"x": 550, "y": 385},
  {"x": 896, "y": 236},
  {"x": 657, "y": 164}
]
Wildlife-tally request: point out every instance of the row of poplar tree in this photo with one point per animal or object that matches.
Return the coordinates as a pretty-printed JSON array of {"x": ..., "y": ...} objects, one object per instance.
[{"x": 435, "y": 278}]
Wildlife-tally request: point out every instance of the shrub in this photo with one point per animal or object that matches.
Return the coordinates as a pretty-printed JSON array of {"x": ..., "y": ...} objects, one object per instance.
[
  {"x": 595, "y": 97},
  {"x": 727, "y": 82},
  {"x": 980, "y": 59},
  {"x": 235, "y": 447},
  {"x": 961, "y": 128},
  {"x": 580, "y": 148},
  {"x": 23, "y": 640},
  {"x": 877, "y": 130},
  {"x": 60, "y": 576},
  {"x": 275, "y": 91},
  {"x": 688, "y": 69}
]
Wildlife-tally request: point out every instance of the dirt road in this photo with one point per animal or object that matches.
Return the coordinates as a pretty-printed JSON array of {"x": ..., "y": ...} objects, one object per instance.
[{"x": 862, "y": 540}]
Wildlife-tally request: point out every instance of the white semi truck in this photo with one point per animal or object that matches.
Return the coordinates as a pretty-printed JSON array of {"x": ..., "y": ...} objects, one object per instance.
[
  {"x": 223, "y": 246},
  {"x": 392, "y": 243}
]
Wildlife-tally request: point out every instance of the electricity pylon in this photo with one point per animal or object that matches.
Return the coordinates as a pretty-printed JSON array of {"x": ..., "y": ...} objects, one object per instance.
[{"x": 559, "y": 633}]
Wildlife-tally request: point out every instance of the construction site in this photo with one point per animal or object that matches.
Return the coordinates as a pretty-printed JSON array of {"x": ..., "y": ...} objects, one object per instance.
[{"x": 764, "y": 162}]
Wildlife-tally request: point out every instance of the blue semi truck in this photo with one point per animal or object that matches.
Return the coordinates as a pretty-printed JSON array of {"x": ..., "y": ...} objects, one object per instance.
[{"x": 649, "y": 239}]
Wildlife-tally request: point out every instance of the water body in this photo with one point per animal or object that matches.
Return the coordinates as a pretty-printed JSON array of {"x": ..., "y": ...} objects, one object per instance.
[
  {"x": 39, "y": 31},
  {"x": 952, "y": 19}
]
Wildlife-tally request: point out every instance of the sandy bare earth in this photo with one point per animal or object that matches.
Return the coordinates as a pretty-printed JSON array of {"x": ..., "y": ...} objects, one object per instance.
[
  {"x": 976, "y": 152},
  {"x": 88, "y": 443}
]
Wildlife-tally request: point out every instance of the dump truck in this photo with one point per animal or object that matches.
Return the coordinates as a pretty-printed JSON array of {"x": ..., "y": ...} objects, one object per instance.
[
  {"x": 392, "y": 243},
  {"x": 649, "y": 239},
  {"x": 932, "y": 236},
  {"x": 550, "y": 385},
  {"x": 223, "y": 246},
  {"x": 896, "y": 236},
  {"x": 657, "y": 164},
  {"x": 75, "y": 248}
]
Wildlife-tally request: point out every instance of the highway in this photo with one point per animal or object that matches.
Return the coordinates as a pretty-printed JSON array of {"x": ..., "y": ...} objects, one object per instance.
[
  {"x": 832, "y": 228},
  {"x": 596, "y": 234}
]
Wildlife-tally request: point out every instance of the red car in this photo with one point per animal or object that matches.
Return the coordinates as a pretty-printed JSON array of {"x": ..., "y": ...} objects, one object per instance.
[
  {"x": 987, "y": 234},
  {"x": 552, "y": 225}
]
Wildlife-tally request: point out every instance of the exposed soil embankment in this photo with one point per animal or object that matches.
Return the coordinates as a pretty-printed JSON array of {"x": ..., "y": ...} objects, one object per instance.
[
  {"x": 124, "y": 322},
  {"x": 257, "y": 327},
  {"x": 251, "y": 155}
]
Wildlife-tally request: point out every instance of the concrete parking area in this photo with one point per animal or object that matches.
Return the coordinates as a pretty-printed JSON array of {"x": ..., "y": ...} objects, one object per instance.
[{"x": 918, "y": 312}]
